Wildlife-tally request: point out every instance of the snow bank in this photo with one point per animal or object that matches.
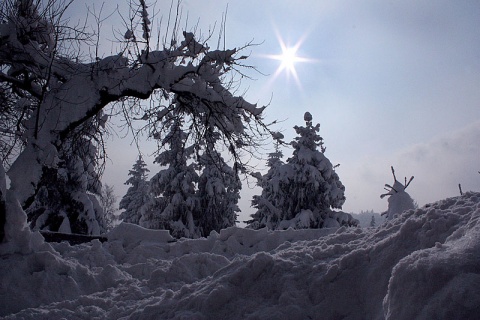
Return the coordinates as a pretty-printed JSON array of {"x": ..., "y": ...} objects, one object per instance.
[
  {"x": 18, "y": 237},
  {"x": 424, "y": 264}
]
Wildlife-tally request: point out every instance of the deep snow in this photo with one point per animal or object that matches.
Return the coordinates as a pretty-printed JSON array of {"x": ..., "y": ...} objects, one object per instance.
[{"x": 424, "y": 264}]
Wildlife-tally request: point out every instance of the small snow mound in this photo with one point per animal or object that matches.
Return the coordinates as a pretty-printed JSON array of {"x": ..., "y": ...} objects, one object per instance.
[
  {"x": 132, "y": 235},
  {"x": 18, "y": 237}
]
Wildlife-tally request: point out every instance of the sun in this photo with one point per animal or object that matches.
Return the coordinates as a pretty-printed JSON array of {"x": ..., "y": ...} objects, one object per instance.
[{"x": 288, "y": 59}]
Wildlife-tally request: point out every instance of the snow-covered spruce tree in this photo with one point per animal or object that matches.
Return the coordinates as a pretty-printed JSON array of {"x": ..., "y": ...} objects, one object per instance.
[
  {"x": 40, "y": 60},
  {"x": 399, "y": 200},
  {"x": 310, "y": 185},
  {"x": 173, "y": 198},
  {"x": 273, "y": 196},
  {"x": 218, "y": 190},
  {"x": 372, "y": 222},
  {"x": 137, "y": 194},
  {"x": 67, "y": 199}
]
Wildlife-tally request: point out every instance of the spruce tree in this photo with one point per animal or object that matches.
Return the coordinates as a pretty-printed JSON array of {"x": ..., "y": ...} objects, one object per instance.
[
  {"x": 68, "y": 194},
  {"x": 273, "y": 196},
  {"x": 172, "y": 189},
  {"x": 218, "y": 190},
  {"x": 137, "y": 194},
  {"x": 372, "y": 222},
  {"x": 308, "y": 187}
]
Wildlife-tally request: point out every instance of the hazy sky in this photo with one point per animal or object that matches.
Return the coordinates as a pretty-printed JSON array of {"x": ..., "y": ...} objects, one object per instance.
[{"x": 391, "y": 83}]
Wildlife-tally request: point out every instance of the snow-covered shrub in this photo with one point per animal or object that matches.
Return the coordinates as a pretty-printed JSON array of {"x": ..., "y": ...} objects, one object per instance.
[{"x": 399, "y": 200}]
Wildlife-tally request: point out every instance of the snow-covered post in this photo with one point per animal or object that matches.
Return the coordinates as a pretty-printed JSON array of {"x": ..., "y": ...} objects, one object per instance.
[{"x": 399, "y": 200}]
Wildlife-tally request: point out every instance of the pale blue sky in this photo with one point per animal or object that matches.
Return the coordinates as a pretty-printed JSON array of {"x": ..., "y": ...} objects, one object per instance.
[{"x": 392, "y": 83}]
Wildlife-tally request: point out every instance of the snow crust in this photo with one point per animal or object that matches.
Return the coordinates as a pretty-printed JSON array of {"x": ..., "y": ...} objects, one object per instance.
[{"x": 424, "y": 264}]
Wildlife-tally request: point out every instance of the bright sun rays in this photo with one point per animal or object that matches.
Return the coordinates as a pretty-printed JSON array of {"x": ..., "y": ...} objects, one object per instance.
[{"x": 288, "y": 59}]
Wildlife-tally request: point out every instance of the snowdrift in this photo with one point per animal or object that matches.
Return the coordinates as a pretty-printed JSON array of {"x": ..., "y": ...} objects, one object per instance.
[{"x": 424, "y": 264}]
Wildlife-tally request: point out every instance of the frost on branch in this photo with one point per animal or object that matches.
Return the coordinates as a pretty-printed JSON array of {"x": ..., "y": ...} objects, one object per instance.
[{"x": 399, "y": 200}]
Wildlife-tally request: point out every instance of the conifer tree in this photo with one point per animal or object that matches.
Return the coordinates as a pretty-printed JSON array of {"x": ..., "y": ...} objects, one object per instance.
[
  {"x": 372, "y": 222},
  {"x": 137, "y": 194},
  {"x": 173, "y": 188},
  {"x": 309, "y": 186},
  {"x": 218, "y": 190},
  {"x": 272, "y": 198},
  {"x": 68, "y": 194}
]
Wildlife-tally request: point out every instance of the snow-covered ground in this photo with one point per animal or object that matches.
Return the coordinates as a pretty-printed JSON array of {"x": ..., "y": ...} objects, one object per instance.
[{"x": 422, "y": 265}]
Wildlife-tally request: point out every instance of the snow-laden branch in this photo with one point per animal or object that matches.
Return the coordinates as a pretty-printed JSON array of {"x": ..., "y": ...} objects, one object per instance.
[{"x": 68, "y": 92}]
